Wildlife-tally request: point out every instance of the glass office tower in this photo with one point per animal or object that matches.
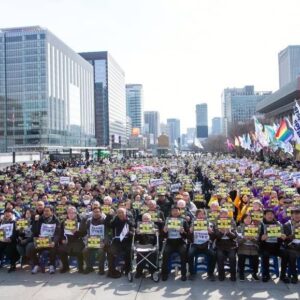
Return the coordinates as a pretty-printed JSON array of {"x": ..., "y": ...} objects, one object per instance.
[
  {"x": 46, "y": 92},
  {"x": 135, "y": 104},
  {"x": 110, "y": 99}
]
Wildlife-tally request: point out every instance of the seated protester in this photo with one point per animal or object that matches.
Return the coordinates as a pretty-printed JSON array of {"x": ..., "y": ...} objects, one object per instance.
[
  {"x": 9, "y": 205},
  {"x": 189, "y": 204},
  {"x": 256, "y": 212},
  {"x": 226, "y": 244},
  {"x": 135, "y": 206},
  {"x": 39, "y": 211},
  {"x": 201, "y": 237},
  {"x": 157, "y": 215},
  {"x": 8, "y": 245},
  {"x": 148, "y": 238},
  {"x": 184, "y": 212},
  {"x": 270, "y": 244},
  {"x": 95, "y": 226},
  {"x": 122, "y": 228},
  {"x": 175, "y": 231},
  {"x": 71, "y": 243},
  {"x": 164, "y": 204},
  {"x": 248, "y": 246},
  {"x": 273, "y": 200},
  {"x": 282, "y": 211},
  {"x": 47, "y": 226},
  {"x": 292, "y": 231},
  {"x": 120, "y": 197},
  {"x": 24, "y": 235},
  {"x": 107, "y": 205}
]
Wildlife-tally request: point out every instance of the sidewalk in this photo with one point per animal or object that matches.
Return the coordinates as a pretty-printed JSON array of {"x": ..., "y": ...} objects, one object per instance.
[{"x": 73, "y": 286}]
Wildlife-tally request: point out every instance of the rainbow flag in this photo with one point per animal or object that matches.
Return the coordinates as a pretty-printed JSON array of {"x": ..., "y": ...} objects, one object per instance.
[{"x": 284, "y": 133}]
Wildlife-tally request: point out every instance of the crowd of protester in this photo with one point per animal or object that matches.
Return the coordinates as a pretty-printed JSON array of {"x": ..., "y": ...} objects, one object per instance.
[{"x": 229, "y": 210}]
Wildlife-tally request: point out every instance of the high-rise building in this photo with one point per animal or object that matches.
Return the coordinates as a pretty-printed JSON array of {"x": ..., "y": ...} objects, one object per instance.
[
  {"x": 201, "y": 121},
  {"x": 110, "y": 99},
  {"x": 216, "y": 127},
  {"x": 239, "y": 105},
  {"x": 151, "y": 125},
  {"x": 289, "y": 65},
  {"x": 46, "y": 92},
  {"x": 173, "y": 131},
  {"x": 135, "y": 104}
]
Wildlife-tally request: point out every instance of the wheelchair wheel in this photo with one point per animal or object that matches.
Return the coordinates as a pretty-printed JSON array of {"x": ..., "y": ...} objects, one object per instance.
[
  {"x": 156, "y": 277},
  {"x": 130, "y": 276}
]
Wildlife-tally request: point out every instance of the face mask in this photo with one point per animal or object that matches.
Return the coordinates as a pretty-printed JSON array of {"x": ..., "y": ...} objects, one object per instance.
[{"x": 86, "y": 202}]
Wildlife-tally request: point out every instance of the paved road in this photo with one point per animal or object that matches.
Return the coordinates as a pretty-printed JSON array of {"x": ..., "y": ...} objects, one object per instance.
[{"x": 73, "y": 286}]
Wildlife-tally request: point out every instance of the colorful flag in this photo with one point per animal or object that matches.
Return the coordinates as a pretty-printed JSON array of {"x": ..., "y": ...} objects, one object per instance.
[
  {"x": 284, "y": 133},
  {"x": 296, "y": 123},
  {"x": 230, "y": 146}
]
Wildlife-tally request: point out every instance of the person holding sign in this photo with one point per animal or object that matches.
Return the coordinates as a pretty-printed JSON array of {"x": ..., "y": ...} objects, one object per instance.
[
  {"x": 248, "y": 246},
  {"x": 146, "y": 235},
  {"x": 71, "y": 243},
  {"x": 292, "y": 242},
  {"x": 122, "y": 230},
  {"x": 95, "y": 230},
  {"x": 175, "y": 230},
  {"x": 24, "y": 234},
  {"x": 8, "y": 243},
  {"x": 271, "y": 239},
  {"x": 201, "y": 237},
  {"x": 48, "y": 226},
  {"x": 226, "y": 244}
]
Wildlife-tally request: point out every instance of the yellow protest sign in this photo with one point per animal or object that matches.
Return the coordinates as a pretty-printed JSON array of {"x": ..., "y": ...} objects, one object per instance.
[
  {"x": 199, "y": 198},
  {"x": 146, "y": 227},
  {"x": 224, "y": 223},
  {"x": 274, "y": 202},
  {"x": 22, "y": 224},
  {"x": 213, "y": 215},
  {"x": 174, "y": 223},
  {"x": 136, "y": 204},
  {"x": 154, "y": 216},
  {"x": 297, "y": 233},
  {"x": 70, "y": 225},
  {"x": 2, "y": 235},
  {"x": 200, "y": 225},
  {"x": 106, "y": 209},
  {"x": 273, "y": 231},
  {"x": 61, "y": 209},
  {"x": 75, "y": 199},
  {"x": 93, "y": 242},
  {"x": 257, "y": 215},
  {"x": 251, "y": 231},
  {"x": 42, "y": 242}
]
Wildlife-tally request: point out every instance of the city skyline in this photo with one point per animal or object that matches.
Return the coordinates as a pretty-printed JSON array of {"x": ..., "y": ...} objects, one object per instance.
[{"x": 167, "y": 31}]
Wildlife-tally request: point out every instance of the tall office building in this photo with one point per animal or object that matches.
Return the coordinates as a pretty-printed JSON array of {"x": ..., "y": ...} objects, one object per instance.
[
  {"x": 201, "y": 121},
  {"x": 216, "y": 127},
  {"x": 289, "y": 65},
  {"x": 239, "y": 105},
  {"x": 173, "y": 130},
  {"x": 110, "y": 99},
  {"x": 152, "y": 125},
  {"x": 135, "y": 104},
  {"x": 46, "y": 92}
]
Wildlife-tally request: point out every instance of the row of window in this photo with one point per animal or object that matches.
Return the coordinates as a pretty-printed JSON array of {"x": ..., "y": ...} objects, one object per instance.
[{"x": 20, "y": 38}]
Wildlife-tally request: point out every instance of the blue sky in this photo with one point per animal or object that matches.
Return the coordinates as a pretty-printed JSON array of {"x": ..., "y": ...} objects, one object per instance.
[{"x": 184, "y": 52}]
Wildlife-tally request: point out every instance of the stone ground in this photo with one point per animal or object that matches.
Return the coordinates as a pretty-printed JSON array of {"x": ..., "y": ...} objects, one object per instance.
[{"x": 73, "y": 286}]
